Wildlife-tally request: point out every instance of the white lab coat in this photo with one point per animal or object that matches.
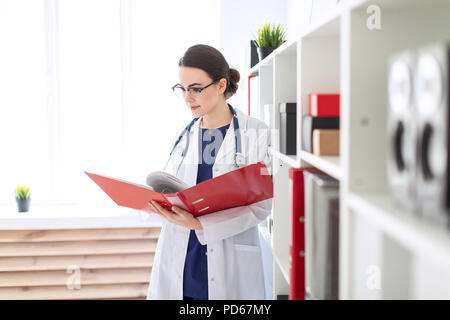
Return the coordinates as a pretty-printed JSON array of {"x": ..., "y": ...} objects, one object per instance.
[{"x": 235, "y": 268}]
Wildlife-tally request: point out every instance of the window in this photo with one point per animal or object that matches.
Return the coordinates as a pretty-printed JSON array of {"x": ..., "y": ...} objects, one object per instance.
[{"x": 86, "y": 86}]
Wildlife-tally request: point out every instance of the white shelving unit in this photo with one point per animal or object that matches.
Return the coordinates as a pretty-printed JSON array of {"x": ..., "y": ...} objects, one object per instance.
[{"x": 385, "y": 252}]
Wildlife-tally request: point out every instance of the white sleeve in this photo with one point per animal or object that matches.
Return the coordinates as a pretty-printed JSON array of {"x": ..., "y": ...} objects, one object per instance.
[{"x": 229, "y": 222}]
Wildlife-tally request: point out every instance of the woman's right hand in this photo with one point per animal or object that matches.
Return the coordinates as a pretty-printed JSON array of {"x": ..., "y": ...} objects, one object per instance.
[{"x": 177, "y": 215}]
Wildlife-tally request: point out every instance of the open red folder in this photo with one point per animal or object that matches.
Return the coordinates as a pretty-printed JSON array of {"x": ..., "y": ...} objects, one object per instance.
[{"x": 239, "y": 187}]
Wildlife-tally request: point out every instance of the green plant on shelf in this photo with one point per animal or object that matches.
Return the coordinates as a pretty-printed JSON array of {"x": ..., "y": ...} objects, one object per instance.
[
  {"x": 23, "y": 192},
  {"x": 270, "y": 36}
]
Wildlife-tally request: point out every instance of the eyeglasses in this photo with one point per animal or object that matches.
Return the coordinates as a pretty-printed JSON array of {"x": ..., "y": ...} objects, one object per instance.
[{"x": 194, "y": 92}]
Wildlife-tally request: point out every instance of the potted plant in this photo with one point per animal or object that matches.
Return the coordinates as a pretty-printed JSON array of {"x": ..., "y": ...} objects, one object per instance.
[
  {"x": 23, "y": 198},
  {"x": 270, "y": 37}
]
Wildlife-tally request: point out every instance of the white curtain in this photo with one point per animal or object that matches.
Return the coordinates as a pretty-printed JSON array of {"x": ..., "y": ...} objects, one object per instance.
[{"x": 85, "y": 86}]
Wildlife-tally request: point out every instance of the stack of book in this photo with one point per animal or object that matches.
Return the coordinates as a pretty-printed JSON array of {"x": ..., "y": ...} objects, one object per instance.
[
  {"x": 321, "y": 212},
  {"x": 320, "y": 128},
  {"x": 314, "y": 239}
]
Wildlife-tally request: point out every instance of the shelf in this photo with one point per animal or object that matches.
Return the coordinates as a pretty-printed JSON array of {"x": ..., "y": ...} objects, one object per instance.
[
  {"x": 266, "y": 62},
  {"x": 253, "y": 71},
  {"x": 328, "y": 164},
  {"x": 328, "y": 26},
  {"x": 289, "y": 48},
  {"x": 290, "y": 160},
  {"x": 330, "y": 55},
  {"x": 417, "y": 234},
  {"x": 283, "y": 264},
  {"x": 42, "y": 217}
]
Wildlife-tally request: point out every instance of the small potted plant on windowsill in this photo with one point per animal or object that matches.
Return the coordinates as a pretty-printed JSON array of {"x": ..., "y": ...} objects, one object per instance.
[
  {"x": 23, "y": 198},
  {"x": 269, "y": 38}
]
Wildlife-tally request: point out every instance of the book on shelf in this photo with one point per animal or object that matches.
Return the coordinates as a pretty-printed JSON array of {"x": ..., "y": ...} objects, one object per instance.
[
  {"x": 325, "y": 142},
  {"x": 288, "y": 128},
  {"x": 324, "y": 104},
  {"x": 297, "y": 233},
  {"x": 240, "y": 187},
  {"x": 321, "y": 213},
  {"x": 310, "y": 123}
]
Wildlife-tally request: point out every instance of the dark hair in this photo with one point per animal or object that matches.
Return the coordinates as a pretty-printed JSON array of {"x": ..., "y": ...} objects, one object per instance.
[{"x": 210, "y": 60}]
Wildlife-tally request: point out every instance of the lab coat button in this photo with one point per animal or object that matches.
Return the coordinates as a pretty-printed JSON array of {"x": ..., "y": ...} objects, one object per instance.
[
  {"x": 211, "y": 250},
  {"x": 212, "y": 279},
  {"x": 216, "y": 169}
]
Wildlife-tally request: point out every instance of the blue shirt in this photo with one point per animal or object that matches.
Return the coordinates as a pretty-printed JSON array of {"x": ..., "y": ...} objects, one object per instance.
[{"x": 195, "y": 275}]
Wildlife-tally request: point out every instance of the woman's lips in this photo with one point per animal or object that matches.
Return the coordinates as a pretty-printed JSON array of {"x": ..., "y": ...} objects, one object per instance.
[{"x": 194, "y": 107}]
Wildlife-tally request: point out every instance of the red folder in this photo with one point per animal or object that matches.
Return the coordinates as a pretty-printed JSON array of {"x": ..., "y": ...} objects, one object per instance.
[
  {"x": 240, "y": 187},
  {"x": 297, "y": 241},
  {"x": 324, "y": 105}
]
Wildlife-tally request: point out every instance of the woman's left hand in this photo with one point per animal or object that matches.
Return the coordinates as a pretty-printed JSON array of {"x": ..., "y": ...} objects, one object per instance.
[{"x": 178, "y": 216}]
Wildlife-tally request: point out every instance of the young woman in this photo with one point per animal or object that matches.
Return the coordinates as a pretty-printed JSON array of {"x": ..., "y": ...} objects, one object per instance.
[{"x": 215, "y": 256}]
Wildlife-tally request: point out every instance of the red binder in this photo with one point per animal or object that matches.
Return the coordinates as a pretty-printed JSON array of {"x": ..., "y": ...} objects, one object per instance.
[
  {"x": 324, "y": 105},
  {"x": 240, "y": 187},
  {"x": 297, "y": 242}
]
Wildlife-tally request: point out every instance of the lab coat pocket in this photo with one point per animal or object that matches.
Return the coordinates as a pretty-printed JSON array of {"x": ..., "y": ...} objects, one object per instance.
[{"x": 250, "y": 271}]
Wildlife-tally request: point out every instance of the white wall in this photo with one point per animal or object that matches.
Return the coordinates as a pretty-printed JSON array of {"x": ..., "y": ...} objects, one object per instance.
[{"x": 297, "y": 16}]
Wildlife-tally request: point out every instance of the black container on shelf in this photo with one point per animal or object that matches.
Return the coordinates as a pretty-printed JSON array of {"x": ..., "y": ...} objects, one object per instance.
[
  {"x": 288, "y": 128},
  {"x": 264, "y": 52},
  {"x": 254, "y": 59}
]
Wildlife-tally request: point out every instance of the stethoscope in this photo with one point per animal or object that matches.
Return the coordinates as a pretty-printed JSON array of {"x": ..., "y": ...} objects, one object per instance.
[{"x": 239, "y": 159}]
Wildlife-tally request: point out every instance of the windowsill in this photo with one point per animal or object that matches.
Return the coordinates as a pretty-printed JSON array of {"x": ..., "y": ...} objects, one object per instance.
[{"x": 75, "y": 217}]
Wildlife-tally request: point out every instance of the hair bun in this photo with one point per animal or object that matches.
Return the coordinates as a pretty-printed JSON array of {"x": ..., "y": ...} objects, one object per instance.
[{"x": 233, "y": 77}]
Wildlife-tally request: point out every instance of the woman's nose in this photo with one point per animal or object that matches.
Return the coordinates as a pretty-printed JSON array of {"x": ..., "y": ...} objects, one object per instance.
[{"x": 188, "y": 97}]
